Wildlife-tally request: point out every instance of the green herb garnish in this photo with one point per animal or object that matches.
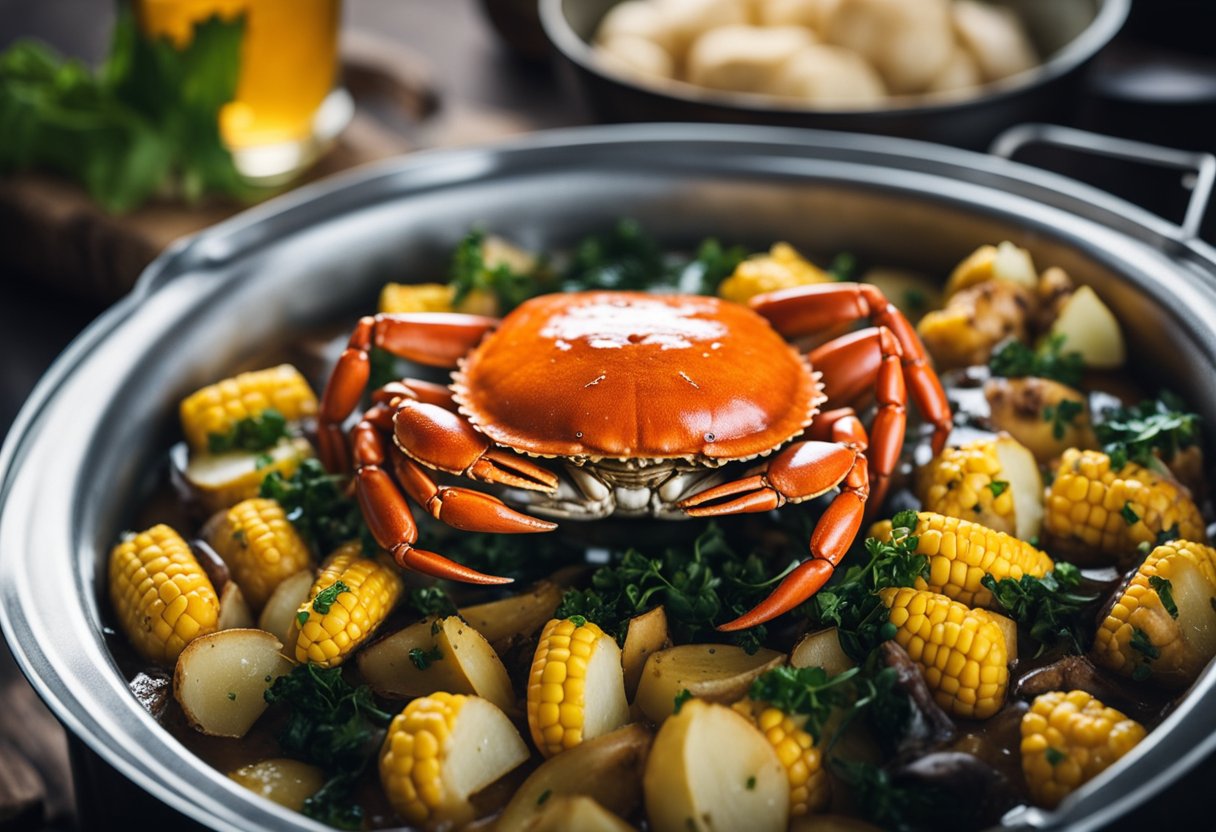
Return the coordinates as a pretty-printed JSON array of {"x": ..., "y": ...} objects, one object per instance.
[
  {"x": 1049, "y": 607},
  {"x": 545, "y": 795},
  {"x": 998, "y": 487},
  {"x": 808, "y": 691},
  {"x": 1165, "y": 591},
  {"x": 256, "y": 433},
  {"x": 1062, "y": 415},
  {"x": 325, "y": 598},
  {"x": 750, "y": 785},
  {"x": 1141, "y": 642},
  {"x": 680, "y": 698},
  {"x": 843, "y": 266},
  {"x": 1054, "y": 756},
  {"x": 146, "y": 122},
  {"x": 318, "y": 506},
  {"x": 431, "y": 600},
  {"x": 470, "y": 272},
  {"x": 422, "y": 659},
  {"x": 1154, "y": 427},
  {"x": 1013, "y": 359},
  {"x": 1129, "y": 514}
]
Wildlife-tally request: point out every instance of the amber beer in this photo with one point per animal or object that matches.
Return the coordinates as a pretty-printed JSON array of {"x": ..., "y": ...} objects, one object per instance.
[{"x": 289, "y": 62}]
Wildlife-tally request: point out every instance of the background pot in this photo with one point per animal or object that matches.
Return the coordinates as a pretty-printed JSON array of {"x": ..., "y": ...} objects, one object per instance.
[{"x": 83, "y": 451}]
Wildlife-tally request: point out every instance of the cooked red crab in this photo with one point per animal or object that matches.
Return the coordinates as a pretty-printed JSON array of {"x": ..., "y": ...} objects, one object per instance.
[{"x": 634, "y": 404}]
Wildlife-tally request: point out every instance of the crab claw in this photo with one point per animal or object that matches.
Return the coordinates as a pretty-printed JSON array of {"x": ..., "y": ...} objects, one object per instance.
[
  {"x": 800, "y": 472},
  {"x": 807, "y": 579},
  {"x": 473, "y": 511},
  {"x": 509, "y": 469},
  {"x": 757, "y": 496},
  {"x": 437, "y": 566}
]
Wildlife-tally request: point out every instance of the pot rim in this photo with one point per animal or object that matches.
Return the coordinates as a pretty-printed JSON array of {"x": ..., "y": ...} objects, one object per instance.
[
  {"x": 44, "y": 664},
  {"x": 1110, "y": 17}
]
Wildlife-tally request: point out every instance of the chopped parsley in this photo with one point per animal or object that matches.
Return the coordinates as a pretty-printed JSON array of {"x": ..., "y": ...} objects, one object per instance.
[
  {"x": 1129, "y": 514},
  {"x": 1049, "y": 607},
  {"x": 681, "y": 697},
  {"x": 843, "y": 266},
  {"x": 750, "y": 785},
  {"x": 1154, "y": 427},
  {"x": 1062, "y": 415},
  {"x": 1165, "y": 591},
  {"x": 262, "y": 461},
  {"x": 1013, "y": 359},
  {"x": 302, "y": 618},
  {"x": 998, "y": 487},
  {"x": 318, "y": 506},
  {"x": 422, "y": 659},
  {"x": 577, "y": 620},
  {"x": 325, "y": 598},
  {"x": 1054, "y": 756},
  {"x": 470, "y": 272},
  {"x": 231, "y": 696},
  {"x": 255, "y": 433},
  {"x": 545, "y": 795},
  {"x": 1141, "y": 642},
  {"x": 807, "y": 691},
  {"x": 431, "y": 600}
]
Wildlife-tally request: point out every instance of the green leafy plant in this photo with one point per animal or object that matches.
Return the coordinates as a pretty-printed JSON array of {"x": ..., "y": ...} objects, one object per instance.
[
  {"x": 1153, "y": 428},
  {"x": 145, "y": 123},
  {"x": 1013, "y": 359},
  {"x": 318, "y": 506},
  {"x": 1050, "y": 607},
  {"x": 256, "y": 433}
]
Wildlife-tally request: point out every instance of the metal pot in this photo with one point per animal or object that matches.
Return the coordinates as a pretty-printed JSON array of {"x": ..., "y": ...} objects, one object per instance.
[
  {"x": 79, "y": 457},
  {"x": 1069, "y": 32}
]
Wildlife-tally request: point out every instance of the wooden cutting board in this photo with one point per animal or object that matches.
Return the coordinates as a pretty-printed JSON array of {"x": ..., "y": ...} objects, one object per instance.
[{"x": 53, "y": 234}]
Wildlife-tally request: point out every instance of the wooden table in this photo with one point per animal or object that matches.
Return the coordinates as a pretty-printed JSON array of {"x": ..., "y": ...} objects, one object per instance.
[{"x": 482, "y": 87}]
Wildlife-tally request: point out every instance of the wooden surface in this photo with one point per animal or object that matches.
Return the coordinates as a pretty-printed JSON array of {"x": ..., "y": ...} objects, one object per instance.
[{"x": 480, "y": 91}]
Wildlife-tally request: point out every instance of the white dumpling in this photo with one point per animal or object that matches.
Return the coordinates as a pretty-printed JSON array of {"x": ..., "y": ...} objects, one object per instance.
[
  {"x": 637, "y": 19},
  {"x": 829, "y": 76},
  {"x": 909, "y": 42},
  {"x": 995, "y": 38},
  {"x": 960, "y": 73},
  {"x": 810, "y": 13},
  {"x": 637, "y": 55},
  {"x": 689, "y": 19},
  {"x": 744, "y": 58}
]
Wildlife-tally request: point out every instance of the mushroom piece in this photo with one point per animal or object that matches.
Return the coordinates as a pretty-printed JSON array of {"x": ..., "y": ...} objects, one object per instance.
[
  {"x": 968, "y": 793},
  {"x": 927, "y": 726}
]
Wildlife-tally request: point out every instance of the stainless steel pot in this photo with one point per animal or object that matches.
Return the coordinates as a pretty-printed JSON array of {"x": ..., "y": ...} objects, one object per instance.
[
  {"x": 1069, "y": 33},
  {"x": 80, "y": 455}
]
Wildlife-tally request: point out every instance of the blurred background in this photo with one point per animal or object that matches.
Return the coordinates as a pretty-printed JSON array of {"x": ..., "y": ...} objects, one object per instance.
[{"x": 435, "y": 73}]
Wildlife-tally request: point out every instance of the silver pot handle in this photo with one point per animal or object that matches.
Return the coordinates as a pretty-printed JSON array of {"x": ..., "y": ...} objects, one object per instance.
[{"x": 1203, "y": 165}]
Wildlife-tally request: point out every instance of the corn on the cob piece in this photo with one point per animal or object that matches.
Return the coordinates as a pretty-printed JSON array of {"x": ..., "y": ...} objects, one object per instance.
[
  {"x": 335, "y": 620},
  {"x": 961, "y": 651},
  {"x": 441, "y": 749},
  {"x": 810, "y": 786},
  {"x": 1092, "y": 510},
  {"x": 576, "y": 687},
  {"x": 960, "y": 553},
  {"x": 260, "y": 546},
  {"x": 782, "y": 268},
  {"x": 993, "y": 481},
  {"x": 1163, "y": 623},
  {"x": 1070, "y": 738},
  {"x": 218, "y": 407},
  {"x": 161, "y": 595},
  {"x": 416, "y": 297}
]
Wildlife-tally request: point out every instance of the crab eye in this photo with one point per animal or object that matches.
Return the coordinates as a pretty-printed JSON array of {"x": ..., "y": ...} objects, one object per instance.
[
  {"x": 709, "y": 437},
  {"x": 578, "y": 434}
]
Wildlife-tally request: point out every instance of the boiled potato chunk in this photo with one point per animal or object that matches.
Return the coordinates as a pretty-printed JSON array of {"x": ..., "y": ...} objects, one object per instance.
[
  {"x": 562, "y": 814},
  {"x": 223, "y": 480},
  {"x": 639, "y": 56},
  {"x": 828, "y": 76},
  {"x": 809, "y": 13},
  {"x": 445, "y": 654},
  {"x": 909, "y": 42},
  {"x": 1090, "y": 328},
  {"x": 821, "y": 649},
  {"x": 994, "y": 37},
  {"x": 1005, "y": 261},
  {"x": 638, "y": 19},
  {"x": 221, "y": 679},
  {"x": 1021, "y": 471},
  {"x": 279, "y": 615},
  {"x": 501, "y": 622},
  {"x": 234, "y": 610},
  {"x": 712, "y": 770},
  {"x": 1017, "y": 405},
  {"x": 686, "y": 20},
  {"x": 607, "y": 769},
  {"x": 286, "y": 782},
  {"x": 714, "y": 672},
  {"x": 744, "y": 58},
  {"x": 647, "y": 634},
  {"x": 959, "y": 74}
]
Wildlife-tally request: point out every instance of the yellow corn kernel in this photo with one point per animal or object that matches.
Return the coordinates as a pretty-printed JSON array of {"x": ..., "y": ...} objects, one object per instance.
[
  {"x": 958, "y": 482},
  {"x": 260, "y": 546},
  {"x": 961, "y": 552},
  {"x": 1172, "y": 645},
  {"x": 1091, "y": 510},
  {"x": 161, "y": 595},
  {"x": 782, "y": 268},
  {"x": 410, "y": 759},
  {"x": 1070, "y": 738},
  {"x": 961, "y": 651},
  {"x": 218, "y": 407},
  {"x": 327, "y": 638},
  {"x": 416, "y": 297},
  {"x": 810, "y": 786}
]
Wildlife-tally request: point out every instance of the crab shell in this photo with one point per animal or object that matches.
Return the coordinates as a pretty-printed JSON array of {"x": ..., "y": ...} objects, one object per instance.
[{"x": 637, "y": 377}]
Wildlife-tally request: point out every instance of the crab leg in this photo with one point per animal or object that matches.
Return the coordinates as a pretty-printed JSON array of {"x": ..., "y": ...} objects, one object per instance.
[
  {"x": 444, "y": 440},
  {"x": 438, "y": 339},
  {"x": 462, "y": 508},
  {"x": 805, "y": 310},
  {"x": 870, "y": 359},
  {"x": 388, "y": 515},
  {"x": 833, "y": 535}
]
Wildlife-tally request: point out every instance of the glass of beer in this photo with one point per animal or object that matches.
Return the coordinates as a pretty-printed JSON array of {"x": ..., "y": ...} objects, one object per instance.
[{"x": 288, "y": 108}]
